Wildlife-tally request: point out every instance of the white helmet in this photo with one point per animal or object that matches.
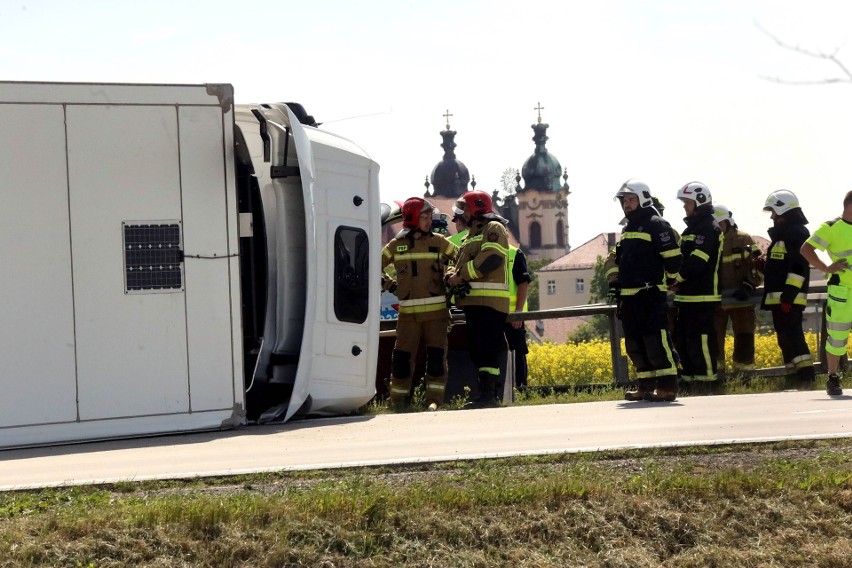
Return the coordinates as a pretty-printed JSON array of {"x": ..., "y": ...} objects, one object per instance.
[
  {"x": 695, "y": 191},
  {"x": 722, "y": 213},
  {"x": 639, "y": 189},
  {"x": 781, "y": 201}
]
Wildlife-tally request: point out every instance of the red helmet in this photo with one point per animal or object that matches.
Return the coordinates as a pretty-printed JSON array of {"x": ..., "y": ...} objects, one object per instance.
[
  {"x": 411, "y": 211},
  {"x": 478, "y": 203}
]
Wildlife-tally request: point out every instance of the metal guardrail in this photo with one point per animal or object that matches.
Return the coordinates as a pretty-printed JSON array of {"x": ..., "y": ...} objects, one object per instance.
[
  {"x": 816, "y": 297},
  {"x": 620, "y": 365}
]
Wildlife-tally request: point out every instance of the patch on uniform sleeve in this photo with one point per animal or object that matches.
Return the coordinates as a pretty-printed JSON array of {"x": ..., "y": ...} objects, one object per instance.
[
  {"x": 665, "y": 236},
  {"x": 401, "y": 248},
  {"x": 493, "y": 237},
  {"x": 699, "y": 239}
]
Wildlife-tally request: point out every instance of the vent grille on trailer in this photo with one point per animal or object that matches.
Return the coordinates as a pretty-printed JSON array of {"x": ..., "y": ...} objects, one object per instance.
[{"x": 152, "y": 257}]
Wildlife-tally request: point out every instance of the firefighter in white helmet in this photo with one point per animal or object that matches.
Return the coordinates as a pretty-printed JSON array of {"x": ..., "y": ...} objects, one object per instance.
[
  {"x": 645, "y": 256},
  {"x": 786, "y": 282},
  {"x": 696, "y": 289},
  {"x": 738, "y": 278},
  {"x": 420, "y": 258}
]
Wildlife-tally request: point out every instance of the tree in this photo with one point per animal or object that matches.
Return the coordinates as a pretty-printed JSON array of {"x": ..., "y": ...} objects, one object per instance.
[{"x": 831, "y": 57}]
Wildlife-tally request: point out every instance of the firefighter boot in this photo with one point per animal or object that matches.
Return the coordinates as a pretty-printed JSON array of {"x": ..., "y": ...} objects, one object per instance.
[
  {"x": 832, "y": 386},
  {"x": 486, "y": 399},
  {"x": 666, "y": 390},
  {"x": 488, "y": 388},
  {"x": 641, "y": 389}
]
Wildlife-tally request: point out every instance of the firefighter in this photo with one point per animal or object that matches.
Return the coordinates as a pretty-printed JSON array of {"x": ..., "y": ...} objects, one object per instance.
[
  {"x": 645, "y": 256},
  {"x": 835, "y": 238},
  {"x": 420, "y": 259},
  {"x": 480, "y": 282},
  {"x": 786, "y": 281},
  {"x": 738, "y": 279},
  {"x": 696, "y": 288}
]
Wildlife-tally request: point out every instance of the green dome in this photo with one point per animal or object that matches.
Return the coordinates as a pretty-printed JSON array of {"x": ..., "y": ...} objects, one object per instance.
[{"x": 542, "y": 171}]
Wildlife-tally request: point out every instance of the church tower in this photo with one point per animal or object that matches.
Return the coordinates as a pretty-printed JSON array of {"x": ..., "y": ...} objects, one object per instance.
[
  {"x": 449, "y": 176},
  {"x": 542, "y": 201}
]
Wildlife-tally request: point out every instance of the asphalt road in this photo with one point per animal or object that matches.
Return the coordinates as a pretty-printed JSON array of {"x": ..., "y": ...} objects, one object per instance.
[{"x": 437, "y": 436}]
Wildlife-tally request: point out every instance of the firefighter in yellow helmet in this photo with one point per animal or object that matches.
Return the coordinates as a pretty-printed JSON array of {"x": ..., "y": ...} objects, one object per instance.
[
  {"x": 480, "y": 281},
  {"x": 420, "y": 258}
]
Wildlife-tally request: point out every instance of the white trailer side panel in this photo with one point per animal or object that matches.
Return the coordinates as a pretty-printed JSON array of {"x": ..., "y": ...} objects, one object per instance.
[
  {"x": 36, "y": 309},
  {"x": 123, "y": 166}
]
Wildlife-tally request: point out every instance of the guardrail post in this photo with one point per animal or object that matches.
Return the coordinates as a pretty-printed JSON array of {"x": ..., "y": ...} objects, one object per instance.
[{"x": 620, "y": 373}]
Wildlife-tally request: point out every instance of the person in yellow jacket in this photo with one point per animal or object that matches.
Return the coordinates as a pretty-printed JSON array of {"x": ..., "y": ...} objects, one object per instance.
[
  {"x": 835, "y": 238},
  {"x": 738, "y": 278},
  {"x": 480, "y": 281},
  {"x": 421, "y": 259}
]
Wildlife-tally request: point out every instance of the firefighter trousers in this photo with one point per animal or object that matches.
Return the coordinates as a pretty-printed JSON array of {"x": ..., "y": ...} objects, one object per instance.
[
  {"x": 485, "y": 342},
  {"x": 644, "y": 318},
  {"x": 743, "y": 321},
  {"x": 791, "y": 340},
  {"x": 409, "y": 332},
  {"x": 695, "y": 338}
]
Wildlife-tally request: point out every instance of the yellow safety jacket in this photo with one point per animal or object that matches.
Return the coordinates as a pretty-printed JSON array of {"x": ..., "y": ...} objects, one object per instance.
[
  {"x": 835, "y": 238},
  {"x": 736, "y": 265},
  {"x": 421, "y": 262},
  {"x": 483, "y": 263},
  {"x": 513, "y": 286}
]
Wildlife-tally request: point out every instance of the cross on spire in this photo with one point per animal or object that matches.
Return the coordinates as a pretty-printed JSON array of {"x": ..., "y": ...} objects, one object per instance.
[
  {"x": 447, "y": 115},
  {"x": 539, "y": 108}
]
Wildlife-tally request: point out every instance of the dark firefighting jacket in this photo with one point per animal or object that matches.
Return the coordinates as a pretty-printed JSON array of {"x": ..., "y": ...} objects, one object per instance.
[
  {"x": 700, "y": 245},
  {"x": 787, "y": 273},
  {"x": 647, "y": 254}
]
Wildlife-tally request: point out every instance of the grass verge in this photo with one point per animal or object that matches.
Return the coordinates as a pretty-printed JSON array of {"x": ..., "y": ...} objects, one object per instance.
[{"x": 761, "y": 505}]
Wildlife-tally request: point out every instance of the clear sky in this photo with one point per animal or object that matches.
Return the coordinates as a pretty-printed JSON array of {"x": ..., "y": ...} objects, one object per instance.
[{"x": 668, "y": 91}]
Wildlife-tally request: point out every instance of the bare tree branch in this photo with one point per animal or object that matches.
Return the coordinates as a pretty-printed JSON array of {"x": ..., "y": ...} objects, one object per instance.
[{"x": 830, "y": 57}]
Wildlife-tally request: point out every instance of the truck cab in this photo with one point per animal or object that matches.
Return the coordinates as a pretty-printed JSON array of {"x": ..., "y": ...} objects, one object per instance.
[{"x": 310, "y": 265}]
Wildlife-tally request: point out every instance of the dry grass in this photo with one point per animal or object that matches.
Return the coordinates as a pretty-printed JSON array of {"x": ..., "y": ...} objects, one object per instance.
[{"x": 768, "y": 505}]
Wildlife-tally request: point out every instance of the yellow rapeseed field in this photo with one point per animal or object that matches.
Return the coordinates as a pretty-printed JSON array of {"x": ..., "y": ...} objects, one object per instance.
[{"x": 591, "y": 362}]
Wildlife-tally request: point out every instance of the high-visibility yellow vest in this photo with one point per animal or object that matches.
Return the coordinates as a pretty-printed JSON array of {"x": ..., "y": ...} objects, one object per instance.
[{"x": 513, "y": 287}]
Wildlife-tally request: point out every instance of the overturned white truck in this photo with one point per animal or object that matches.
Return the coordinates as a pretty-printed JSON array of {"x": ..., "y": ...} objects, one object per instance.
[{"x": 173, "y": 262}]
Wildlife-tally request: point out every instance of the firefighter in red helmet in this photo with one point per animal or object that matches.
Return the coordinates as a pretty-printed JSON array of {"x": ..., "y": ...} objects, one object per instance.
[
  {"x": 480, "y": 278},
  {"x": 420, "y": 258}
]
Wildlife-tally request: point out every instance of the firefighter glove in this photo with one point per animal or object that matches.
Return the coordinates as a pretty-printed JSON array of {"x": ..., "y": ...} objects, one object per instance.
[
  {"x": 743, "y": 292},
  {"x": 786, "y": 308},
  {"x": 613, "y": 293},
  {"x": 389, "y": 285}
]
